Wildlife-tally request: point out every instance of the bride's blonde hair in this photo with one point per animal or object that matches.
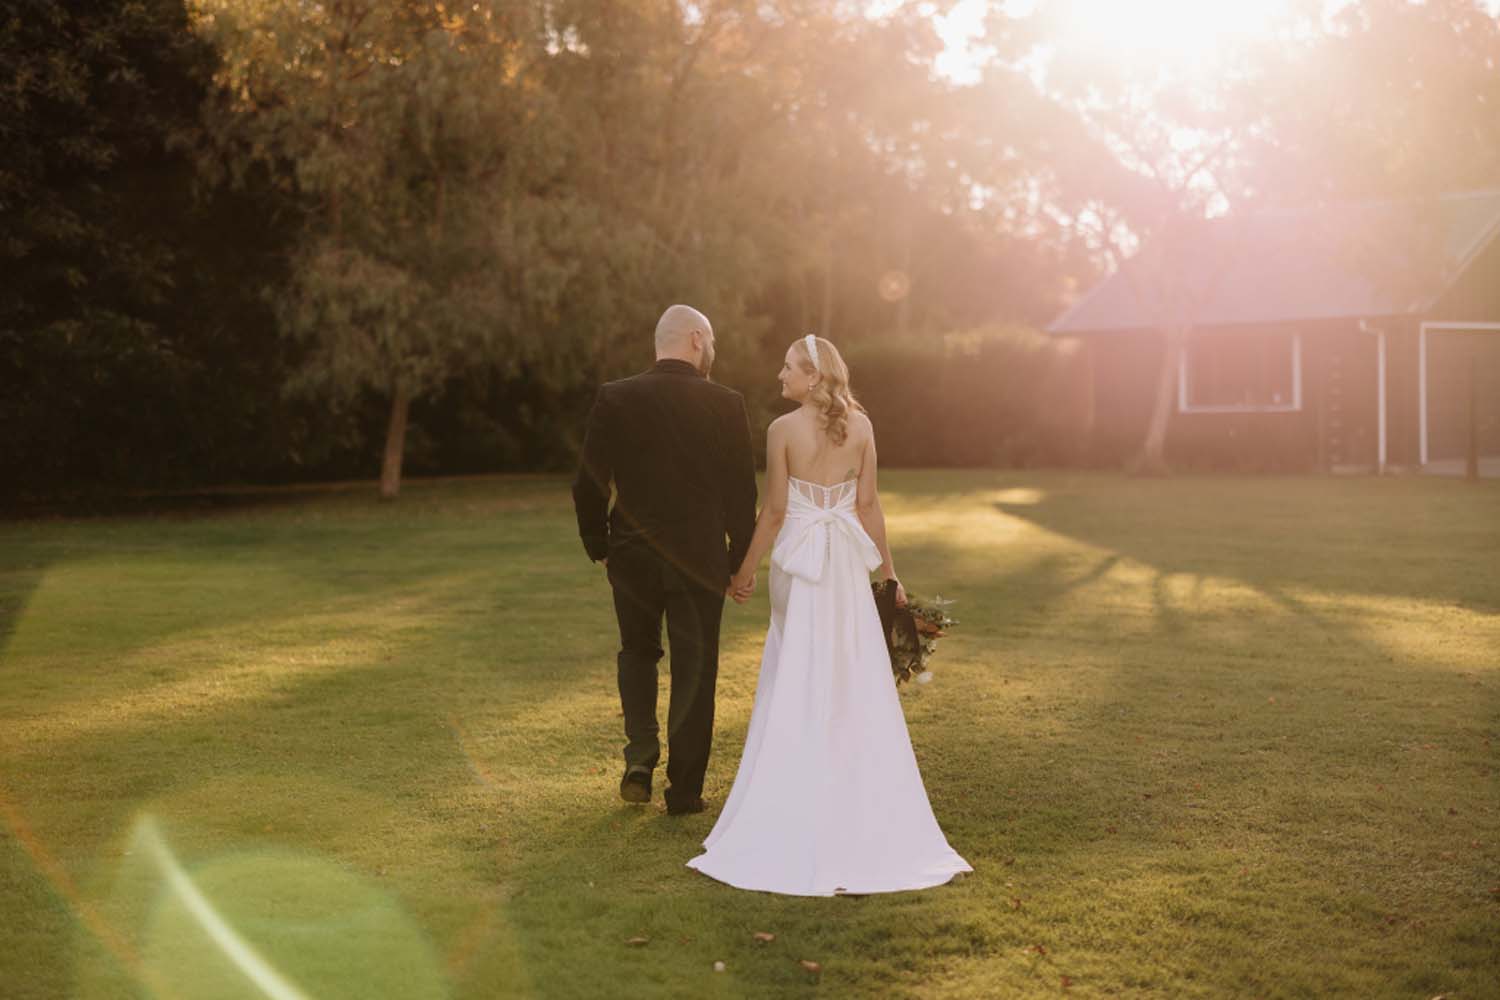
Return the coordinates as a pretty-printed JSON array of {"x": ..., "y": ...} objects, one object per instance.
[{"x": 831, "y": 393}]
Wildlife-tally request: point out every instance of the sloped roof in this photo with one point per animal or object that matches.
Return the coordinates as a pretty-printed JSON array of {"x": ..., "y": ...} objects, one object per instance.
[{"x": 1353, "y": 260}]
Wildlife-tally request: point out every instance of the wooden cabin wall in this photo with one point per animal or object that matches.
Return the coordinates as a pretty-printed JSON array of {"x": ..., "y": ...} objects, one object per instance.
[
  {"x": 1335, "y": 427},
  {"x": 1342, "y": 363},
  {"x": 1403, "y": 393}
]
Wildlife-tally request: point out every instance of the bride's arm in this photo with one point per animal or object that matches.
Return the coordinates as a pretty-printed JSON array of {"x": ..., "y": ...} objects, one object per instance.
[
  {"x": 872, "y": 515},
  {"x": 772, "y": 514}
]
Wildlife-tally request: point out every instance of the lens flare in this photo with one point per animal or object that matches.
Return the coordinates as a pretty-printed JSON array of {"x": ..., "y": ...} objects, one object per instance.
[
  {"x": 234, "y": 947},
  {"x": 894, "y": 286}
]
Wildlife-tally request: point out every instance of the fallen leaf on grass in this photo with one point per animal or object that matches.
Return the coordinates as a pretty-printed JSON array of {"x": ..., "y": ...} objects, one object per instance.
[
  {"x": 1067, "y": 981},
  {"x": 1039, "y": 949},
  {"x": 1015, "y": 904},
  {"x": 810, "y": 966},
  {"x": 636, "y": 942},
  {"x": 764, "y": 937}
]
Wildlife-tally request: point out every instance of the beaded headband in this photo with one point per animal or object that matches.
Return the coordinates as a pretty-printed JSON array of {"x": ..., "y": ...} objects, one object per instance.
[{"x": 812, "y": 351}]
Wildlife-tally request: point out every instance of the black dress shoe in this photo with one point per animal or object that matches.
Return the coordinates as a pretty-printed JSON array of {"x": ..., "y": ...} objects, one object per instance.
[
  {"x": 636, "y": 786},
  {"x": 696, "y": 805}
]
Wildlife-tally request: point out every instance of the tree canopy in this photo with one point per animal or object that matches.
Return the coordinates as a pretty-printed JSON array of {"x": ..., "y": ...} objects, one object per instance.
[{"x": 262, "y": 238}]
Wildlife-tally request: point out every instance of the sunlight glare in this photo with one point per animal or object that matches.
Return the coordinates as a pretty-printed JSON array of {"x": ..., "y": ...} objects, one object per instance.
[
  {"x": 1190, "y": 32},
  {"x": 1186, "y": 29}
]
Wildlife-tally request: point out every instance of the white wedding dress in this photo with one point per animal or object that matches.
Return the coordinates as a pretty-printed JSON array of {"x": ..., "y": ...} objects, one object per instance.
[{"x": 828, "y": 798}]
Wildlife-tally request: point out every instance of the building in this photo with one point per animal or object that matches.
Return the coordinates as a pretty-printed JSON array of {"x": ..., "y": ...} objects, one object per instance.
[{"x": 1356, "y": 337}]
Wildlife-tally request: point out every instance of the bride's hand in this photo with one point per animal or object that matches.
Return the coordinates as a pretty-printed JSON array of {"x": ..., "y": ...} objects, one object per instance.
[
  {"x": 900, "y": 594},
  {"x": 741, "y": 586}
]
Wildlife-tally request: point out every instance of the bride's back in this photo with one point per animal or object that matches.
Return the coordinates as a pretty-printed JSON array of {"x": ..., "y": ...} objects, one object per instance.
[{"x": 812, "y": 455}]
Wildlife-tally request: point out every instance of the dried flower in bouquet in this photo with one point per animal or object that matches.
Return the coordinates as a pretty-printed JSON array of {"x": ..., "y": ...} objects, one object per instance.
[{"x": 912, "y": 632}]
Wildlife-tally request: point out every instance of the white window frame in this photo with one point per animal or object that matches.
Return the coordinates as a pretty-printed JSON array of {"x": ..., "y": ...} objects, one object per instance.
[
  {"x": 1422, "y": 373},
  {"x": 1184, "y": 406}
]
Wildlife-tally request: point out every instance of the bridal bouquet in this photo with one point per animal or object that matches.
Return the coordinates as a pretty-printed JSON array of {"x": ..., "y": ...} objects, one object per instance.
[{"x": 912, "y": 632}]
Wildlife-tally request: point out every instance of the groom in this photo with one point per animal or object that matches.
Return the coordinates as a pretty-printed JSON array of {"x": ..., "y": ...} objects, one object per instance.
[{"x": 677, "y": 447}]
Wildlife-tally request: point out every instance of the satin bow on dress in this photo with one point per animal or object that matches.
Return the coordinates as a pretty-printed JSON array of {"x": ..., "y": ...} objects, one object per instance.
[{"x": 806, "y": 537}]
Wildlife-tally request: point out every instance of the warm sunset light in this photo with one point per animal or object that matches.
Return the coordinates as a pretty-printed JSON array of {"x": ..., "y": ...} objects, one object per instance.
[
  {"x": 1187, "y": 33},
  {"x": 541, "y": 498},
  {"x": 1191, "y": 34}
]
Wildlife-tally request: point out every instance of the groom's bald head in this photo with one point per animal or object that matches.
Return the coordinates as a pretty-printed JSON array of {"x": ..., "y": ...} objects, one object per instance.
[
  {"x": 686, "y": 334},
  {"x": 675, "y": 329}
]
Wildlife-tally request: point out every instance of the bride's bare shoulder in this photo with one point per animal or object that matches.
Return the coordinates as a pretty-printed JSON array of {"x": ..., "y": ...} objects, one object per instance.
[
  {"x": 860, "y": 424},
  {"x": 783, "y": 429},
  {"x": 798, "y": 420}
]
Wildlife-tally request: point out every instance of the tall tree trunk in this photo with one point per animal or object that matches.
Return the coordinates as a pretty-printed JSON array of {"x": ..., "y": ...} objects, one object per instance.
[
  {"x": 1153, "y": 458},
  {"x": 395, "y": 443}
]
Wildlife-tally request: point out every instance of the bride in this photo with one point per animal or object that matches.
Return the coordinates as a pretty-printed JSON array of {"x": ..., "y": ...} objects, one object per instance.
[{"x": 828, "y": 798}]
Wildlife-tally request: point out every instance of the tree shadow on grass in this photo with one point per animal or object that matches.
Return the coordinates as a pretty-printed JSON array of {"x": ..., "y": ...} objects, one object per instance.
[
  {"x": 1377, "y": 545},
  {"x": 17, "y": 585},
  {"x": 220, "y": 501},
  {"x": 153, "y": 607},
  {"x": 1129, "y": 732}
]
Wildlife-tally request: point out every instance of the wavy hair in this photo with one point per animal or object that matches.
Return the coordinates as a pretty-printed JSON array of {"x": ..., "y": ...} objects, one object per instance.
[{"x": 834, "y": 399}]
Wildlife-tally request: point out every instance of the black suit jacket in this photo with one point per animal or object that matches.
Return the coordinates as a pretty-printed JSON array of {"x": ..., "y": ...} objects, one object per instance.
[{"x": 677, "y": 447}]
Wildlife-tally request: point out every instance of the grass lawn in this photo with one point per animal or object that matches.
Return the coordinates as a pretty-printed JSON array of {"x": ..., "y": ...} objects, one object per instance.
[{"x": 1199, "y": 737}]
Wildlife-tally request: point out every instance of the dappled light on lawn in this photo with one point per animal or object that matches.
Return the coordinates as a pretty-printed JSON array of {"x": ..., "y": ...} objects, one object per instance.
[
  {"x": 1019, "y": 496},
  {"x": 204, "y": 668},
  {"x": 1181, "y": 723}
]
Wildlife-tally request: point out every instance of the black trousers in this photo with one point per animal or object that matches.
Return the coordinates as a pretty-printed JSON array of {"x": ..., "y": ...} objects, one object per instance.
[{"x": 646, "y": 587}]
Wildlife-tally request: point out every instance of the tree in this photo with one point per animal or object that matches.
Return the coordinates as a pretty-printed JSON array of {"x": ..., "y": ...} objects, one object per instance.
[
  {"x": 93, "y": 100},
  {"x": 420, "y": 147},
  {"x": 1388, "y": 99}
]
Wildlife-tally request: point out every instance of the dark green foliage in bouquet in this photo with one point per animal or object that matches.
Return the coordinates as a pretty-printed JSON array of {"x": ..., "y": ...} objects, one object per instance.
[{"x": 912, "y": 632}]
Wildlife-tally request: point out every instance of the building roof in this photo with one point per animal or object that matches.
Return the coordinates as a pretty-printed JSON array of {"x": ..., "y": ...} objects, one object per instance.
[{"x": 1347, "y": 261}]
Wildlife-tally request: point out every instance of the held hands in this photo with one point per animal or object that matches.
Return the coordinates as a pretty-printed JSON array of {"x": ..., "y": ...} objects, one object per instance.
[{"x": 741, "y": 586}]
